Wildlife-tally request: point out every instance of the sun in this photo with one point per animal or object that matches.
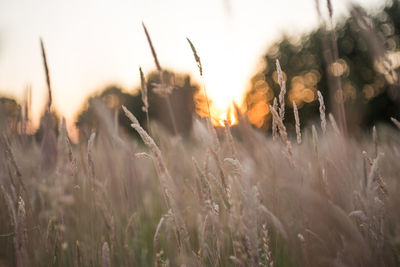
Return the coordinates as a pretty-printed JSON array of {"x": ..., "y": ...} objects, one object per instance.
[
  {"x": 220, "y": 112},
  {"x": 228, "y": 117},
  {"x": 220, "y": 115}
]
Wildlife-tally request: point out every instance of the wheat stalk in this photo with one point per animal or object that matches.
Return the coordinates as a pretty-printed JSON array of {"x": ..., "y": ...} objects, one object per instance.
[
  {"x": 162, "y": 89},
  {"x": 229, "y": 137},
  {"x": 21, "y": 221},
  {"x": 282, "y": 93},
  {"x": 105, "y": 255},
  {"x": 322, "y": 111},
  {"x": 315, "y": 140},
  {"x": 297, "y": 120},
  {"x": 339, "y": 98},
  {"x": 199, "y": 65},
  {"x": 157, "y": 233},
  {"x": 375, "y": 140},
  {"x": 274, "y": 124},
  {"x": 165, "y": 178},
  {"x": 334, "y": 124},
  {"x": 282, "y": 129},
  {"x": 153, "y": 51},
  {"x": 147, "y": 140},
  {"x": 145, "y": 100},
  {"x": 395, "y": 122},
  {"x": 143, "y": 88},
  {"x": 330, "y": 9},
  {"x": 266, "y": 248},
  {"x": 78, "y": 256},
  {"x": 21, "y": 238},
  {"x": 46, "y": 69},
  {"x": 196, "y": 56},
  {"x": 90, "y": 158}
]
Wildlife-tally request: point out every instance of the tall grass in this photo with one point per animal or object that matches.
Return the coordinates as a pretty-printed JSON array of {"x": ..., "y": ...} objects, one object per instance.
[
  {"x": 241, "y": 199},
  {"x": 245, "y": 202}
]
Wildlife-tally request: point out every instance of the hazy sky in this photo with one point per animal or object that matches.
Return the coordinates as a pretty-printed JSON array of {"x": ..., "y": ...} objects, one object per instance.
[{"x": 94, "y": 43}]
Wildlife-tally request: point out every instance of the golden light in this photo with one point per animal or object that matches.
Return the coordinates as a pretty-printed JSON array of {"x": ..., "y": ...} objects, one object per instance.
[
  {"x": 219, "y": 115},
  {"x": 303, "y": 88},
  {"x": 228, "y": 117},
  {"x": 258, "y": 112}
]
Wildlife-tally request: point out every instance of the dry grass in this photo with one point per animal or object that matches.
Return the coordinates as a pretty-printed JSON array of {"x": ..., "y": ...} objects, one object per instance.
[
  {"x": 241, "y": 203},
  {"x": 241, "y": 199}
]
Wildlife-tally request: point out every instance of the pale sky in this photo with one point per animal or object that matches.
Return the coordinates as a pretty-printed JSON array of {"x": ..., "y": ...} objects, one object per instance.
[{"x": 94, "y": 43}]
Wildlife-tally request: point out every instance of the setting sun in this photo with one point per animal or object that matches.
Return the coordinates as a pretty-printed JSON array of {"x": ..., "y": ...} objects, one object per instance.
[
  {"x": 219, "y": 111},
  {"x": 199, "y": 133},
  {"x": 221, "y": 116}
]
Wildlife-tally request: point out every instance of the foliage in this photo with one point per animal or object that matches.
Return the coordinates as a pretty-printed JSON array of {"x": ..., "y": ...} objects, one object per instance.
[
  {"x": 370, "y": 95},
  {"x": 113, "y": 97}
]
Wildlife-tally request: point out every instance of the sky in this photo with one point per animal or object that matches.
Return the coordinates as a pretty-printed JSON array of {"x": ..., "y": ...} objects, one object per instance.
[{"x": 94, "y": 43}]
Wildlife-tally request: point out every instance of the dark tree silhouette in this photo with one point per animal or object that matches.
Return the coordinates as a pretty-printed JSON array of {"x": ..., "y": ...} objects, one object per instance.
[
  {"x": 10, "y": 113},
  {"x": 370, "y": 94},
  {"x": 113, "y": 97}
]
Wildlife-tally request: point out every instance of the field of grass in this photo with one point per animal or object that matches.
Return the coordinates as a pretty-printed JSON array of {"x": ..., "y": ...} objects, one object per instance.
[
  {"x": 211, "y": 199},
  {"x": 221, "y": 196}
]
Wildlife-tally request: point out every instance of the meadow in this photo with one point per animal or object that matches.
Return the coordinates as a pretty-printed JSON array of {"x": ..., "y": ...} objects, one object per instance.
[
  {"x": 221, "y": 196},
  {"x": 212, "y": 199}
]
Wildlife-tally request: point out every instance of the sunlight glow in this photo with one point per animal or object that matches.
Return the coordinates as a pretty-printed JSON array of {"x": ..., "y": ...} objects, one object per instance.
[
  {"x": 92, "y": 45},
  {"x": 225, "y": 117},
  {"x": 219, "y": 116}
]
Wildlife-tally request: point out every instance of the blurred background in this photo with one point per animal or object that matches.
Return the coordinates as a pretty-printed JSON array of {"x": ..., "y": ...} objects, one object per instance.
[{"x": 94, "y": 50}]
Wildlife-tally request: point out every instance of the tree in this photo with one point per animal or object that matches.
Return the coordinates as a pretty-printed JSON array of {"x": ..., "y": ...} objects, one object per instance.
[
  {"x": 10, "y": 113},
  {"x": 370, "y": 94},
  {"x": 104, "y": 110}
]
